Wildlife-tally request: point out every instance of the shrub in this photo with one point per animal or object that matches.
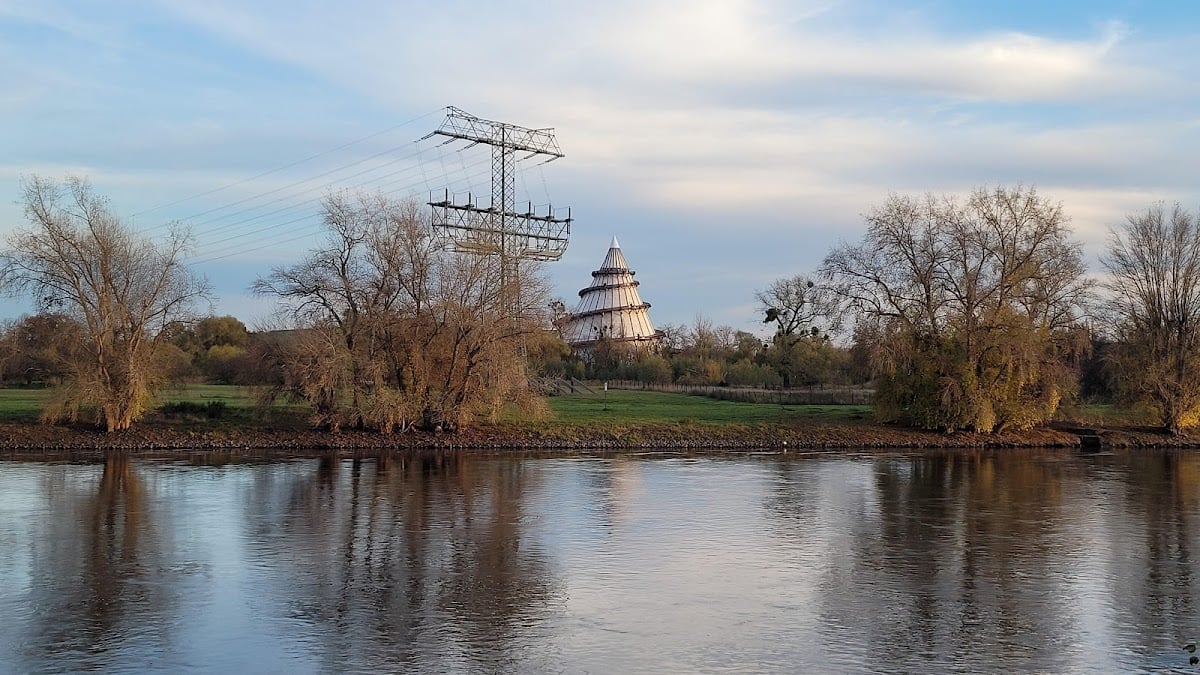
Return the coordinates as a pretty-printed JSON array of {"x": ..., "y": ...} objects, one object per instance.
[{"x": 211, "y": 409}]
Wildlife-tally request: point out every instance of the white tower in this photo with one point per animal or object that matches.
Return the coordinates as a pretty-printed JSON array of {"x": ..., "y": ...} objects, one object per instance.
[{"x": 611, "y": 308}]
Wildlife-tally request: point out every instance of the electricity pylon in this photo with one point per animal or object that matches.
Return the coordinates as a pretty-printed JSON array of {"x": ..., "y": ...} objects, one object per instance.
[{"x": 499, "y": 229}]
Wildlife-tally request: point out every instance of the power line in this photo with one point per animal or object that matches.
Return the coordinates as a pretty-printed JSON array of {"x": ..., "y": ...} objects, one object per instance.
[
  {"x": 252, "y": 250},
  {"x": 289, "y": 165},
  {"x": 210, "y": 248},
  {"x": 222, "y": 218},
  {"x": 251, "y": 224},
  {"x": 241, "y": 248},
  {"x": 286, "y": 187},
  {"x": 207, "y": 249},
  {"x": 306, "y": 200}
]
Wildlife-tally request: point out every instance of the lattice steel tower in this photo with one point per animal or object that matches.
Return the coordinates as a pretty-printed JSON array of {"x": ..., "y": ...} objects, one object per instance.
[{"x": 499, "y": 229}]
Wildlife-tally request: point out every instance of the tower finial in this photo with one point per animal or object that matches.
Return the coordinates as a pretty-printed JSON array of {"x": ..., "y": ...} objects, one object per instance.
[{"x": 615, "y": 243}]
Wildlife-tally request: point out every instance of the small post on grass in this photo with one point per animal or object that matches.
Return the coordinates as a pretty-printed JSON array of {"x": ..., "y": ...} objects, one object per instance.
[{"x": 606, "y": 396}]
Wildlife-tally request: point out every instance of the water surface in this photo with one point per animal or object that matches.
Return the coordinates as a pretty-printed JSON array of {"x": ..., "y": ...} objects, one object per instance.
[{"x": 1007, "y": 561}]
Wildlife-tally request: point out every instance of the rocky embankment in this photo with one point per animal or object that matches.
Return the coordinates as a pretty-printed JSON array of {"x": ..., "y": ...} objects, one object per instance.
[{"x": 33, "y": 440}]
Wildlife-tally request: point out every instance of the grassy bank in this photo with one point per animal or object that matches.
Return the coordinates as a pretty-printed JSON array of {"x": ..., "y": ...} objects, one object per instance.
[
  {"x": 23, "y": 405},
  {"x": 648, "y": 406},
  {"x": 213, "y": 416}
]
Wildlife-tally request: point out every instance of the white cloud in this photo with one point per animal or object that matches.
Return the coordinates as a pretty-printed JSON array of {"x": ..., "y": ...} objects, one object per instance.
[
  {"x": 711, "y": 119},
  {"x": 534, "y": 56},
  {"x": 1095, "y": 210},
  {"x": 748, "y": 44},
  {"x": 1000, "y": 67},
  {"x": 604, "y": 76}
]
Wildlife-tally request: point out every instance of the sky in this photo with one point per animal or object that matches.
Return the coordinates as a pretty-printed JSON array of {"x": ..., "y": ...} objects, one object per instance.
[{"x": 726, "y": 143}]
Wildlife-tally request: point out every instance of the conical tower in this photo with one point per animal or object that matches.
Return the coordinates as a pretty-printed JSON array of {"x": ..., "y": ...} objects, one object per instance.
[{"x": 611, "y": 308}]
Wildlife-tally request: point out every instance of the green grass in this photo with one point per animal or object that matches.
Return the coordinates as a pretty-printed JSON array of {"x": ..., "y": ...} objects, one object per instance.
[
  {"x": 1101, "y": 414},
  {"x": 238, "y": 408},
  {"x": 17, "y": 399},
  {"x": 617, "y": 406},
  {"x": 21, "y": 404},
  {"x": 648, "y": 406},
  {"x": 231, "y": 396}
]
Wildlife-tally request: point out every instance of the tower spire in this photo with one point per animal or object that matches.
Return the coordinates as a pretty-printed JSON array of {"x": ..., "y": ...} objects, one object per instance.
[{"x": 611, "y": 308}]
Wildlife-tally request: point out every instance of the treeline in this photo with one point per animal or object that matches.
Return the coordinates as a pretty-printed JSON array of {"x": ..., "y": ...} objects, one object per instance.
[
  {"x": 977, "y": 313},
  {"x": 710, "y": 355},
  {"x": 971, "y": 313},
  {"x": 381, "y": 326},
  {"x": 41, "y": 350}
]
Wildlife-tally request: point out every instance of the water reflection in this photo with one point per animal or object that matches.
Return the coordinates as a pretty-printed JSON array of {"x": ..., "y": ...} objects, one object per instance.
[
  {"x": 937, "y": 562},
  {"x": 999, "y": 560},
  {"x": 95, "y": 582},
  {"x": 388, "y": 557}
]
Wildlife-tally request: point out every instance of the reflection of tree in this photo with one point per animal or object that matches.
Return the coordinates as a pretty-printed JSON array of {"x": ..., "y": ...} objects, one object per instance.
[
  {"x": 118, "y": 523},
  {"x": 1004, "y": 527},
  {"x": 406, "y": 557},
  {"x": 980, "y": 559},
  {"x": 1153, "y": 564},
  {"x": 90, "y": 567}
]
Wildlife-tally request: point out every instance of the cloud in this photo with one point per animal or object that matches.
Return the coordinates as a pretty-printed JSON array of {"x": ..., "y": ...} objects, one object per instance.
[
  {"x": 513, "y": 54},
  {"x": 1094, "y": 211},
  {"x": 748, "y": 45},
  {"x": 996, "y": 67},
  {"x": 744, "y": 134},
  {"x": 606, "y": 76}
]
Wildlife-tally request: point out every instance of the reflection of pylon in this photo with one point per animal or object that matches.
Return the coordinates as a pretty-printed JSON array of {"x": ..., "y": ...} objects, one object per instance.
[{"x": 499, "y": 229}]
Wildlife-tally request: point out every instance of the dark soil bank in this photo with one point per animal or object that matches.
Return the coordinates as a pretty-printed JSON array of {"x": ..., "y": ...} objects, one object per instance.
[{"x": 34, "y": 440}]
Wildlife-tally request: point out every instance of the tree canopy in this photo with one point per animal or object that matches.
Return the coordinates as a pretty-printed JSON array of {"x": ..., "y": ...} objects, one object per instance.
[
  {"x": 78, "y": 258},
  {"x": 394, "y": 330},
  {"x": 968, "y": 304},
  {"x": 1154, "y": 296}
]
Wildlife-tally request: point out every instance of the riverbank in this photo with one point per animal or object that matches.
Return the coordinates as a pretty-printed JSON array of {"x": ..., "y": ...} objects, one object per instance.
[
  {"x": 614, "y": 421},
  {"x": 19, "y": 440}
]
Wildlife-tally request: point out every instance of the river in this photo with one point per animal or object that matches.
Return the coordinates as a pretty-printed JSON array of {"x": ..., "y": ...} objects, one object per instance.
[{"x": 963, "y": 561}]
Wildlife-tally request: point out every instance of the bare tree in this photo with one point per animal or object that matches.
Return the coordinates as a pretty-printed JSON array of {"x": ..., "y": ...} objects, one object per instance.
[
  {"x": 798, "y": 307},
  {"x": 78, "y": 258},
  {"x": 703, "y": 339},
  {"x": 341, "y": 294},
  {"x": 1154, "y": 286},
  {"x": 971, "y": 306},
  {"x": 794, "y": 304},
  {"x": 397, "y": 331},
  {"x": 674, "y": 337}
]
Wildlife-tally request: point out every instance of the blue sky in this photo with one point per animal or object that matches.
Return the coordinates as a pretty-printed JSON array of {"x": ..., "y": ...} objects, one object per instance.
[{"x": 725, "y": 142}]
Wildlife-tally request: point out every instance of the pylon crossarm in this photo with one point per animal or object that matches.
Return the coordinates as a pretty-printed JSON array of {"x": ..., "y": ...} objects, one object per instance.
[
  {"x": 464, "y": 126},
  {"x": 498, "y": 229}
]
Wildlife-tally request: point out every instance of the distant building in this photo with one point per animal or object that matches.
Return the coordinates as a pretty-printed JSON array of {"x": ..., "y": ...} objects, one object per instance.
[{"x": 611, "y": 309}]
